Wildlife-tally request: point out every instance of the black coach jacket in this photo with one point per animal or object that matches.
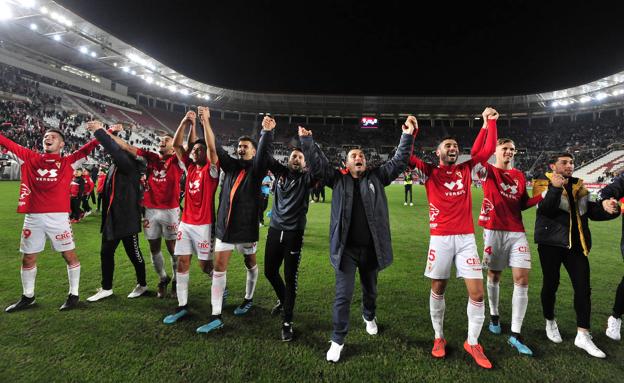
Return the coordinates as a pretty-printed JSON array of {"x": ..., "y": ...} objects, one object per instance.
[
  {"x": 554, "y": 218},
  {"x": 372, "y": 191},
  {"x": 121, "y": 213},
  {"x": 615, "y": 190},
  {"x": 237, "y": 217}
]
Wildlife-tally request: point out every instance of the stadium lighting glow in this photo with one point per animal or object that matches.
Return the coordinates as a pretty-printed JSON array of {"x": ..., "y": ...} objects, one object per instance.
[
  {"x": 5, "y": 11},
  {"x": 33, "y": 27},
  {"x": 27, "y": 3},
  {"x": 585, "y": 99},
  {"x": 93, "y": 54},
  {"x": 125, "y": 69},
  {"x": 57, "y": 37},
  {"x": 618, "y": 92},
  {"x": 184, "y": 92},
  {"x": 555, "y": 104},
  {"x": 84, "y": 50},
  {"x": 43, "y": 10},
  {"x": 601, "y": 96},
  {"x": 173, "y": 88},
  {"x": 564, "y": 102},
  {"x": 114, "y": 64},
  {"x": 133, "y": 72},
  {"x": 139, "y": 60},
  {"x": 206, "y": 97},
  {"x": 149, "y": 80}
]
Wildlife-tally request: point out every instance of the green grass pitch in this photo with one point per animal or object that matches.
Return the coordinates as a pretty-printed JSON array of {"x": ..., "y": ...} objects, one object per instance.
[{"x": 119, "y": 339}]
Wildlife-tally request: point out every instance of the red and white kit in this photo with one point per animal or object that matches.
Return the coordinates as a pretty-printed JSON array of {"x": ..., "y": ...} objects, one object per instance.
[
  {"x": 162, "y": 195},
  {"x": 45, "y": 195},
  {"x": 195, "y": 229}
]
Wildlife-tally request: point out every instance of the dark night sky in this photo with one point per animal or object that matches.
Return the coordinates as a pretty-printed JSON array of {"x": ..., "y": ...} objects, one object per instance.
[{"x": 353, "y": 47}]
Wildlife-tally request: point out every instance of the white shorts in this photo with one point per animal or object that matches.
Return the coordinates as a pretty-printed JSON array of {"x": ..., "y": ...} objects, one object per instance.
[
  {"x": 462, "y": 249},
  {"x": 245, "y": 248},
  {"x": 161, "y": 223},
  {"x": 55, "y": 226},
  {"x": 505, "y": 248},
  {"x": 194, "y": 239}
]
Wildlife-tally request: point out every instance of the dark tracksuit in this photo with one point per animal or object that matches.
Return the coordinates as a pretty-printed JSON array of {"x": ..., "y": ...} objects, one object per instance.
[
  {"x": 616, "y": 190},
  {"x": 121, "y": 216},
  {"x": 288, "y": 221},
  {"x": 237, "y": 216},
  {"x": 76, "y": 213},
  {"x": 368, "y": 247},
  {"x": 563, "y": 237}
]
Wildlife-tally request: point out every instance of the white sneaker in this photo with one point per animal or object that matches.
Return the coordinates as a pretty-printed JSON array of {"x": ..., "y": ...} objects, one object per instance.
[
  {"x": 552, "y": 331},
  {"x": 333, "y": 354},
  {"x": 101, "y": 294},
  {"x": 404, "y": 203},
  {"x": 87, "y": 213},
  {"x": 613, "y": 328},
  {"x": 584, "y": 340},
  {"x": 411, "y": 204},
  {"x": 371, "y": 326},
  {"x": 138, "y": 291}
]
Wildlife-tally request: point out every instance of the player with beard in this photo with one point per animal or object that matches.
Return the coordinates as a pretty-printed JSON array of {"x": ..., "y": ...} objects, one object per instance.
[
  {"x": 237, "y": 225},
  {"x": 505, "y": 242},
  {"x": 195, "y": 229},
  {"x": 452, "y": 235},
  {"x": 162, "y": 203},
  {"x": 44, "y": 199},
  {"x": 288, "y": 220}
]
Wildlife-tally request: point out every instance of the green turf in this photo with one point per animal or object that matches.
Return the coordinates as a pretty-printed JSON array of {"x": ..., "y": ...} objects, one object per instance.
[{"x": 124, "y": 340}]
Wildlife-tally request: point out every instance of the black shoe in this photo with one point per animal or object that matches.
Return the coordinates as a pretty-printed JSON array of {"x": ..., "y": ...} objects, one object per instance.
[
  {"x": 22, "y": 304},
  {"x": 174, "y": 291},
  {"x": 70, "y": 303},
  {"x": 277, "y": 309},
  {"x": 287, "y": 331},
  {"x": 162, "y": 287}
]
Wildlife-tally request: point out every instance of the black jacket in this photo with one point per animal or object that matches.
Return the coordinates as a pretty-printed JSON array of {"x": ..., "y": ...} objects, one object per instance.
[
  {"x": 237, "y": 222},
  {"x": 292, "y": 190},
  {"x": 373, "y": 194},
  {"x": 615, "y": 190},
  {"x": 553, "y": 216},
  {"x": 121, "y": 215}
]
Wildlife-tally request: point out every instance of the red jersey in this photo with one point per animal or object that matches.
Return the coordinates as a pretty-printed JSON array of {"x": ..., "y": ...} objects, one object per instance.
[
  {"x": 89, "y": 185},
  {"x": 100, "y": 182},
  {"x": 46, "y": 178},
  {"x": 74, "y": 188},
  {"x": 449, "y": 188},
  {"x": 200, "y": 188},
  {"x": 504, "y": 198},
  {"x": 163, "y": 180}
]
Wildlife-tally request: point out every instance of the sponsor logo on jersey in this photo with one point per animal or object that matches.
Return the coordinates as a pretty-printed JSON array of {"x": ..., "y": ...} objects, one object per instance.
[
  {"x": 509, "y": 191},
  {"x": 433, "y": 212},
  {"x": 194, "y": 186},
  {"x": 159, "y": 173},
  {"x": 456, "y": 188},
  {"x": 47, "y": 175}
]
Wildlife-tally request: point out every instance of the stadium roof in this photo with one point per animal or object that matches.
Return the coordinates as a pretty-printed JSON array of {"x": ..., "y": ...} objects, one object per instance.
[{"x": 49, "y": 32}]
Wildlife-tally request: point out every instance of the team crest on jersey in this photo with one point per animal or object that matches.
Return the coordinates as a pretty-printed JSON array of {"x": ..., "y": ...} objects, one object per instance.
[
  {"x": 486, "y": 208},
  {"x": 58, "y": 164}
]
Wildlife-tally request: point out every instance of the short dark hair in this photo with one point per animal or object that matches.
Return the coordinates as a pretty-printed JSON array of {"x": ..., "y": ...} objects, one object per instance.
[
  {"x": 555, "y": 157},
  {"x": 448, "y": 138},
  {"x": 200, "y": 141},
  {"x": 55, "y": 131},
  {"x": 247, "y": 138},
  {"x": 296, "y": 149},
  {"x": 168, "y": 135}
]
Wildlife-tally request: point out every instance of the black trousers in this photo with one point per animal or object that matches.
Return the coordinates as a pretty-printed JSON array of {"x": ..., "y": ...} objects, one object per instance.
[
  {"x": 264, "y": 202},
  {"x": 364, "y": 259},
  {"x": 577, "y": 266},
  {"x": 92, "y": 196},
  {"x": 283, "y": 247},
  {"x": 85, "y": 203},
  {"x": 75, "y": 208},
  {"x": 107, "y": 258},
  {"x": 618, "y": 306},
  {"x": 408, "y": 189},
  {"x": 99, "y": 201}
]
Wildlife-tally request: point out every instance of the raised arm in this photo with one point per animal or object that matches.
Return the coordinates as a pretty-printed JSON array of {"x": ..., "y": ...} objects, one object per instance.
[
  {"x": 21, "y": 152},
  {"x": 120, "y": 157},
  {"x": 316, "y": 159},
  {"x": 204, "y": 118},
  {"x": 116, "y": 129},
  {"x": 551, "y": 190},
  {"x": 391, "y": 169},
  {"x": 488, "y": 147},
  {"x": 178, "y": 139},
  {"x": 265, "y": 145}
]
